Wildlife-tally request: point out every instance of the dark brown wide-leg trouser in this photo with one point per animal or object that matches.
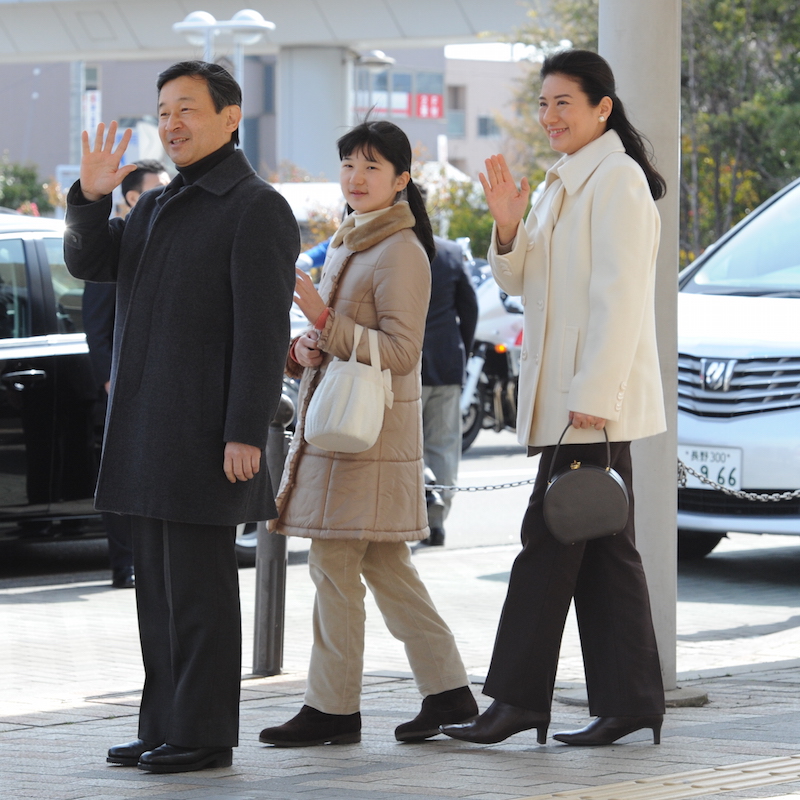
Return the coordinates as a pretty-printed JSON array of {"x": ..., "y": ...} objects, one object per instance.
[
  {"x": 606, "y": 580},
  {"x": 187, "y": 597}
]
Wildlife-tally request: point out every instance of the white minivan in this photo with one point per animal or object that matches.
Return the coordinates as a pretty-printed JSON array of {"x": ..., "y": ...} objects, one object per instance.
[{"x": 739, "y": 378}]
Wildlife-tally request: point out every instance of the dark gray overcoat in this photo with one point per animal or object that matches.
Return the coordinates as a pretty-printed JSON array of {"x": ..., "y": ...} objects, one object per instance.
[{"x": 205, "y": 278}]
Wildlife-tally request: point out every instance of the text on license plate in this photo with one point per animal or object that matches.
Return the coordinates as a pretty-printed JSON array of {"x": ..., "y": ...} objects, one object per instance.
[{"x": 723, "y": 465}]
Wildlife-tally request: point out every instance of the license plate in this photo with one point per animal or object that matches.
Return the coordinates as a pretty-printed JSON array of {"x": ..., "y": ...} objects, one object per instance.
[{"x": 723, "y": 465}]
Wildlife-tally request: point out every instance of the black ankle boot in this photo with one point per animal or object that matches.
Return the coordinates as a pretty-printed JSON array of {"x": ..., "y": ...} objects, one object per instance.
[
  {"x": 500, "y": 721},
  {"x": 455, "y": 705},
  {"x": 311, "y": 727},
  {"x": 606, "y": 730}
]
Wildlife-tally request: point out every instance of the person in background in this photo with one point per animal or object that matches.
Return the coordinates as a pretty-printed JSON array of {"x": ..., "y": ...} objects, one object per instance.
[
  {"x": 361, "y": 509},
  {"x": 449, "y": 330},
  {"x": 99, "y": 301},
  {"x": 204, "y": 269},
  {"x": 584, "y": 262}
]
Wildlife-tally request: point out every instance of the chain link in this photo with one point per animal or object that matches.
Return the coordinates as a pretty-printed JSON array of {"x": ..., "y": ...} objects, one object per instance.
[{"x": 683, "y": 469}]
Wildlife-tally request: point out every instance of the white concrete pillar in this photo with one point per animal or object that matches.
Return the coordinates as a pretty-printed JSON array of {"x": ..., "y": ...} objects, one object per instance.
[
  {"x": 641, "y": 39},
  {"x": 315, "y": 86}
]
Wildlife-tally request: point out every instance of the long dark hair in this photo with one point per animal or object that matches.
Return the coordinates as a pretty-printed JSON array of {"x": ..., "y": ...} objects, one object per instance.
[
  {"x": 593, "y": 74},
  {"x": 389, "y": 141}
]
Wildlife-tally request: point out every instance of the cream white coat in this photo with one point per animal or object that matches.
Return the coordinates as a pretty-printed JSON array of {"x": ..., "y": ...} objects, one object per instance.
[{"x": 584, "y": 263}]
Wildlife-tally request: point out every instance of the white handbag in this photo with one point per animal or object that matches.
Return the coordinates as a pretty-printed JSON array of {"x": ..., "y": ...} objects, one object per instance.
[{"x": 345, "y": 414}]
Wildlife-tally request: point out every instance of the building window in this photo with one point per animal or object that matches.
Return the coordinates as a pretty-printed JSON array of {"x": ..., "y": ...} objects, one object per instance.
[
  {"x": 384, "y": 93},
  {"x": 488, "y": 128},
  {"x": 269, "y": 88},
  {"x": 430, "y": 95},
  {"x": 387, "y": 93},
  {"x": 91, "y": 77},
  {"x": 456, "y": 124},
  {"x": 456, "y": 112}
]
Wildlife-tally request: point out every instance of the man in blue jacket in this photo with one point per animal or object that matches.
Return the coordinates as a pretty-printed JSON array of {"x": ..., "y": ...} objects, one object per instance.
[{"x": 449, "y": 330}]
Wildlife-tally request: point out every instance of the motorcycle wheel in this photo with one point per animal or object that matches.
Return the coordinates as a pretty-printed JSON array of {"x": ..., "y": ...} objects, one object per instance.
[{"x": 471, "y": 423}]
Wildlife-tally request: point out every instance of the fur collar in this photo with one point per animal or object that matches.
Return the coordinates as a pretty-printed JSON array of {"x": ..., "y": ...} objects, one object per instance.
[{"x": 362, "y": 237}]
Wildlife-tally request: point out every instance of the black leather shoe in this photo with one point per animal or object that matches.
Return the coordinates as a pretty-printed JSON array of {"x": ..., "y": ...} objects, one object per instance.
[
  {"x": 455, "y": 705},
  {"x": 123, "y": 578},
  {"x": 311, "y": 727},
  {"x": 435, "y": 538},
  {"x": 498, "y": 722},
  {"x": 606, "y": 730},
  {"x": 128, "y": 754},
  {"x": 170, "y": 758}
]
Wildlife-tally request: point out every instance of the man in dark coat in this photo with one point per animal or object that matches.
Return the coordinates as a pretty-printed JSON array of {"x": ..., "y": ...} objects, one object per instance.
[
  {"x": 99, "y": 304},
  {"x": 205, "y": 276},
  {"x": 449, "y": 329}
]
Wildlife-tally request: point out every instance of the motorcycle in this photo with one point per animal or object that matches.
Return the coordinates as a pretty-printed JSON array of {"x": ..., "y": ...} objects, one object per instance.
[{"x": 489, "y": 395}]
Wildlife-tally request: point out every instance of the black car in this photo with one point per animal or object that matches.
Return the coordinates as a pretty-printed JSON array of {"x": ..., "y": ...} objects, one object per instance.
[{"x": 50, "y": 408}]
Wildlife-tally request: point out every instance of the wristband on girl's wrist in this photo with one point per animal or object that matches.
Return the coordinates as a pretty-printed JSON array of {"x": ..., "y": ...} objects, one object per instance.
[{"x": 322, "y": 319}]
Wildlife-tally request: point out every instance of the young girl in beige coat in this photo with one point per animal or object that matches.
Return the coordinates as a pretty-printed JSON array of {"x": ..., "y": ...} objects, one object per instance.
[{"x": 361, "y": 509}]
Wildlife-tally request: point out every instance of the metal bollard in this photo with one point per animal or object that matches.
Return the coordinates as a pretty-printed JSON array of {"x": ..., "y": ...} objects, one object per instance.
[{"x": 271, "y": 560}]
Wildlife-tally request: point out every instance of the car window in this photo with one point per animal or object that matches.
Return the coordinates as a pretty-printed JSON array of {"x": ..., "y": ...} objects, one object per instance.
[
  {"x": 68, "y": 290},
  {"x": 14, "y": 308},
  {"x": 763, "y": 258}
]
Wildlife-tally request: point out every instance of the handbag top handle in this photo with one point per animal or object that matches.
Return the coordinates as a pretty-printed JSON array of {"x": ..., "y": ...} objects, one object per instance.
[
  {"x": 563, "y": 434},
  {"x": 374, "y": 350}
]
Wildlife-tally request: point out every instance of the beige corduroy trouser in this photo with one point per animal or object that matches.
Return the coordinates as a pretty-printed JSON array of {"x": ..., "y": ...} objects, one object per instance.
[{"x": 337, "y": 654}]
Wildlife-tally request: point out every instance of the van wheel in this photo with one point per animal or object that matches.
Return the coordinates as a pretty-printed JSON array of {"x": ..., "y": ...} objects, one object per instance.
[
  {"x": 246, "y": 541},
  {"x": 696, "y": 544}
]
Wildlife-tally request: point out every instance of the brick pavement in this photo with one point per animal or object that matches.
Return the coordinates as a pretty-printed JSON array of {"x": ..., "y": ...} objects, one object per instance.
[{"x": 70, "y": 677}]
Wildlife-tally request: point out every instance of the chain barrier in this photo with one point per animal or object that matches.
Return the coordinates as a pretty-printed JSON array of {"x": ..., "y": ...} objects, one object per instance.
[
  {"x": 773, "y": 497},
  {"x": 436, "y": 487},
  {"x": 683, "y": 470}
]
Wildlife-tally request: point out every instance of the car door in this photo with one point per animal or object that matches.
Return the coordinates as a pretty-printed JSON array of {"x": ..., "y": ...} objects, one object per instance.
[
  {"x": 77, "y": 413},
  {"x": 47, "y": 454},
  {"x": 27, "y": 391}
]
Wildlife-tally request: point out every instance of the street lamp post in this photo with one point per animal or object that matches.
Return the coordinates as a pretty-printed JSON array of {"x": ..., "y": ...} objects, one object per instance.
[{"x": 246, "y": 26}]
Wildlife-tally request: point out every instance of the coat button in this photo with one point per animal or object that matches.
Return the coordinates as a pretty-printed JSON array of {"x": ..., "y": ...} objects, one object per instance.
[
  {"x": 618, "y": 406},
  {"x": 536, "y": 358},
  {"x": 540, "y": 304},
  {"x": 620, "y": 395},
  {"x": 524, "y": 355}
]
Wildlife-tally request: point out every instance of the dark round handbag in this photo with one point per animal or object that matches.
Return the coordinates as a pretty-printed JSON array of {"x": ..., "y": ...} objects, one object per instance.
[{"x": 584, "y": 501}]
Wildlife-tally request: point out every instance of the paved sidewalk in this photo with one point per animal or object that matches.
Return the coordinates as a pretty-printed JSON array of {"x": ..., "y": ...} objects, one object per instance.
[{"x": 70, "y": 676}]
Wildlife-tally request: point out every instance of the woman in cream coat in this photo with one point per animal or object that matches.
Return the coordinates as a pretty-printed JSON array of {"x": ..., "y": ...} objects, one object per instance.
[
  {"x": 361, "y": 509},
  {"x": 584, "y": 263}
]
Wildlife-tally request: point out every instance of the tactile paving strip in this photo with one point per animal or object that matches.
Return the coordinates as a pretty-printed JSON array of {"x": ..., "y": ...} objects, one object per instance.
[{"x": 733, "y": 777}]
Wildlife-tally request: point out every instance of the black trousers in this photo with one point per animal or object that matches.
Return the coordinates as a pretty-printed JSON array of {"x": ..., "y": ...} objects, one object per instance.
[
  {"x": 187, "y": 597},
  {"x": 120, "y": 541},
  {"x": 606, "y": 580}
]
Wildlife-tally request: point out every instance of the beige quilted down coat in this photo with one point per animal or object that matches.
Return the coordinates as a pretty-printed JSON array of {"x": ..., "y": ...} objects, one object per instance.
[{"x": 378, "y": 276}]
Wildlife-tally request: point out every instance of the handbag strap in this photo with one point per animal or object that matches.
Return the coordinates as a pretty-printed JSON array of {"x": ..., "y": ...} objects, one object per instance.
[
  {"x": 558, "y": 445},
  {"x": 358, "y": 330},
  {"x": 374, "y": 350},
  {"x": 374, "y": 360}
]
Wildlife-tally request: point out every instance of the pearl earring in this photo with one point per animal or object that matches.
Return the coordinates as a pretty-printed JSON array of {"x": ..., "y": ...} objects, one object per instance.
[{"x": 602, "y": 119}]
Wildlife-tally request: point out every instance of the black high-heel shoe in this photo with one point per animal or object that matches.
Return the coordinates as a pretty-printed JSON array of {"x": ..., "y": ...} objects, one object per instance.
[
  {"x": 498, "y": 722},
  {"x": 606, "y": 730}
]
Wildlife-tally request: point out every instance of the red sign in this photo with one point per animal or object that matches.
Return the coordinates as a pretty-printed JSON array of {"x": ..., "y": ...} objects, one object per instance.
[{"x": 430, "y": 106}]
